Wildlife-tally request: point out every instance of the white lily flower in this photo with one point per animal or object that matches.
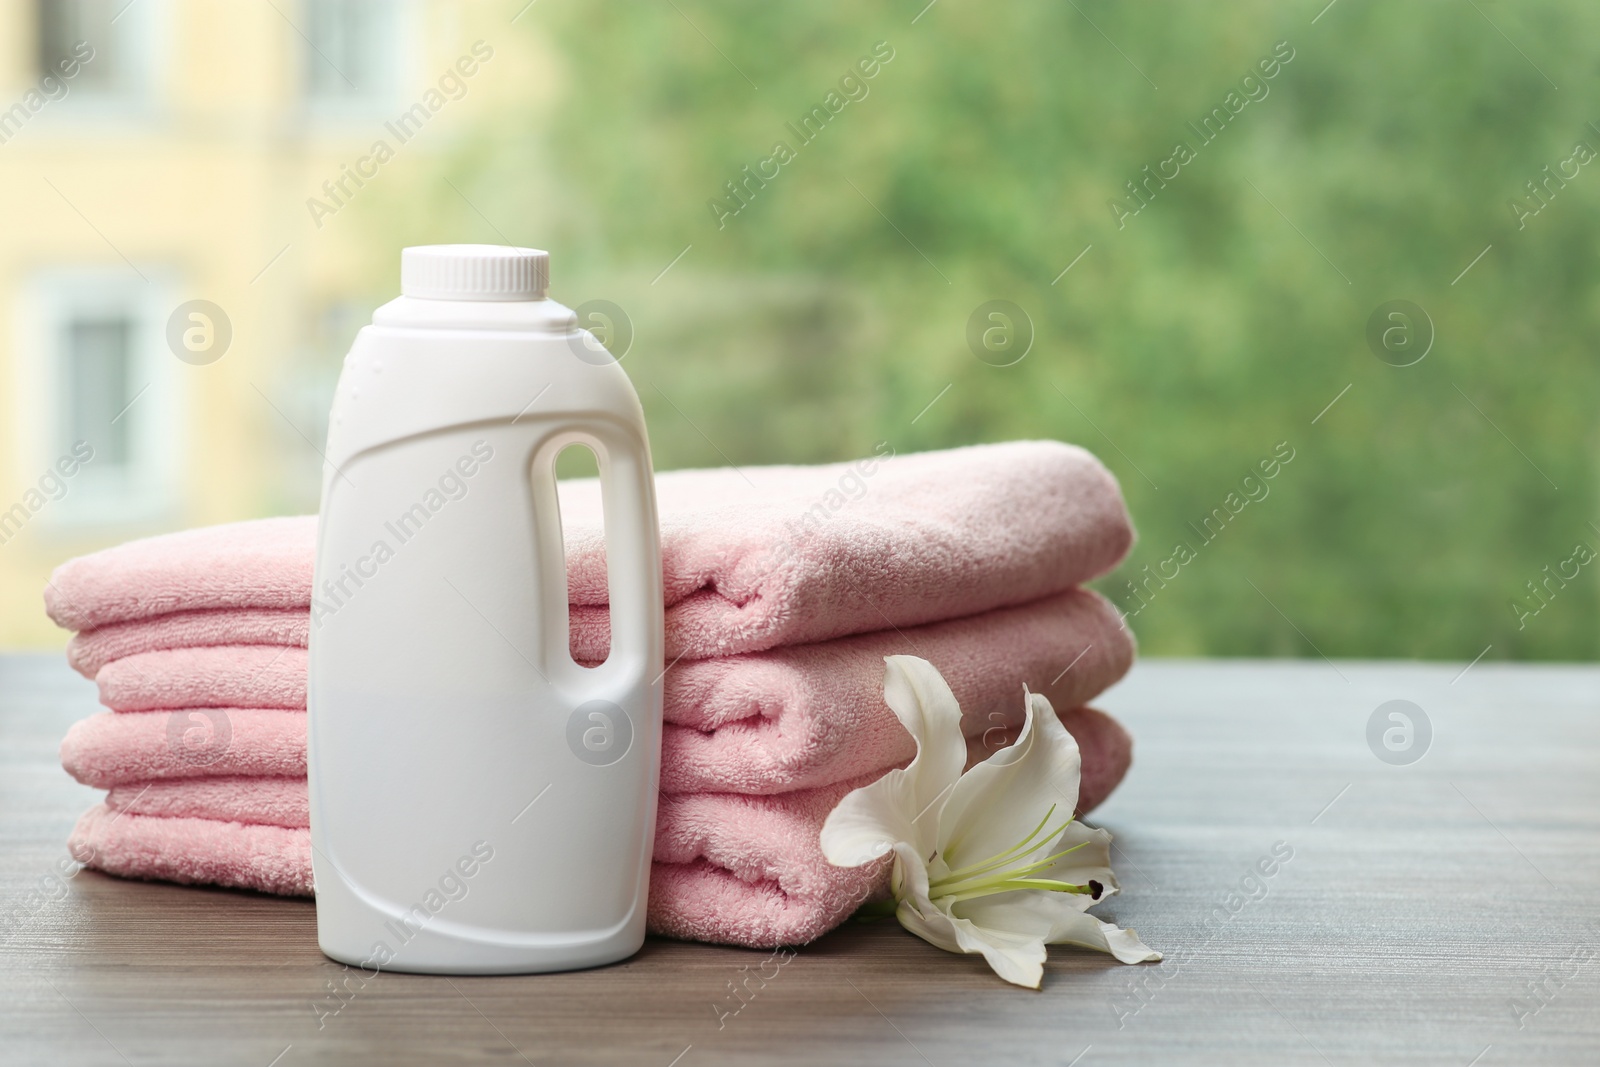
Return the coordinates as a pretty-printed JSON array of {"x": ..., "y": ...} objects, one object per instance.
[{"x": 990, "y": 861}]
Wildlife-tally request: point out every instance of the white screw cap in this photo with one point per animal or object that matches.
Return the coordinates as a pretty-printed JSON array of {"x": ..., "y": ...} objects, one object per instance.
[{"x": 474, "y": 272}]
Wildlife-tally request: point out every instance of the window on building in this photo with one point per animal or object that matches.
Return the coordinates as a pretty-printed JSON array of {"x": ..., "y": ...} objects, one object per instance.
[
  {"x": 97, "y": 372},
  {"x": 97, "y": 365},
  {"x": 99, "y": 38},
  {"x": 349, "y": 50}
]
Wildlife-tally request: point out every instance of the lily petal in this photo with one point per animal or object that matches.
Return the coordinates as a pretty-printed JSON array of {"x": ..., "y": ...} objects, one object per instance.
[
  {"x": 910, "y": 879},
  {"x": 1016, "y": 955},
  {"x": 1090, "y": 861},
  {"x": 922, "y": 917},
  {"x": 868, "y": 822},
  {"x": 904, "y": 805},
  {"x": 1052, "y": 920},
  {"x": 921, "y": 699},
  {"x": 1018, "y": 959},
  {"x": 997, "y": 803}
]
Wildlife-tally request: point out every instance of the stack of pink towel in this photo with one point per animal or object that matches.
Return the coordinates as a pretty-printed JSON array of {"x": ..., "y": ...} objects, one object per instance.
[{"x": 785, "y": 589}]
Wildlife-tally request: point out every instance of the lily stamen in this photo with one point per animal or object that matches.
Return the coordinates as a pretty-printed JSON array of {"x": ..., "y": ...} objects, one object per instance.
[
  {"x": 1010, "y": 885},
  {"x": 1019, "y": 849},
  {"x": 948, "y": 886}
]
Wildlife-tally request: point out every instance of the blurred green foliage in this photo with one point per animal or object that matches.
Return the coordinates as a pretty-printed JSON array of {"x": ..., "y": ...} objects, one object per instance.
[{"x": 1188, "y": 343}]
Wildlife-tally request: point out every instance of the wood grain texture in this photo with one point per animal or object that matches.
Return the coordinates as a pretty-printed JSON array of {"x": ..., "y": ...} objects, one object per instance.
[{"x": 1418, "y": 906}]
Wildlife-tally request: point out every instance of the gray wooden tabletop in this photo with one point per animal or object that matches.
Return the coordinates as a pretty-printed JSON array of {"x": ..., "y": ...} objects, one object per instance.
[{"x": 1441, "y": 910}]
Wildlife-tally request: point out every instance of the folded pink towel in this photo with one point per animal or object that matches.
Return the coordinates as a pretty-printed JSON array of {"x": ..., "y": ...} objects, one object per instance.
[
  {"x": 810, "y": 715},
  {"x": 763, "y": 722},
  {"x": 282, "y": 801},
  {"x": 191, "y": 851},
  {"x": 264, "y": 563},
  {"x": 113, "y": 748},
  {"x": 220, "y": 676},
  {"x": 739, "y": 870},
  {"x": 752, "y": 558},
  {"x": 91, "y": 650},
  {"x": 134, "y": 749},
  {"x": 729, "y": 869},
  {"x": 229, "y": 798}
]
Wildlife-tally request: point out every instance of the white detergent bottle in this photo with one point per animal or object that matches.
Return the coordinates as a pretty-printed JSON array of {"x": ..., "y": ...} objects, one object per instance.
[{"x": 480, "y": 803}]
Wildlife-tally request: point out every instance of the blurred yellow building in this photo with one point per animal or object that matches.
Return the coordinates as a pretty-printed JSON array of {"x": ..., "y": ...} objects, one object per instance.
[{"x": 178, "y": 276}]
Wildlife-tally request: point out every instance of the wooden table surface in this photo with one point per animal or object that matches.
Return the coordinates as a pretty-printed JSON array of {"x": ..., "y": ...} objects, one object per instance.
[{"x": 1442, "y": 912}]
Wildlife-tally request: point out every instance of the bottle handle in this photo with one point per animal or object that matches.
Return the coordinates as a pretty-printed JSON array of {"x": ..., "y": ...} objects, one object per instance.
[{"x": 633, "y": 557}]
